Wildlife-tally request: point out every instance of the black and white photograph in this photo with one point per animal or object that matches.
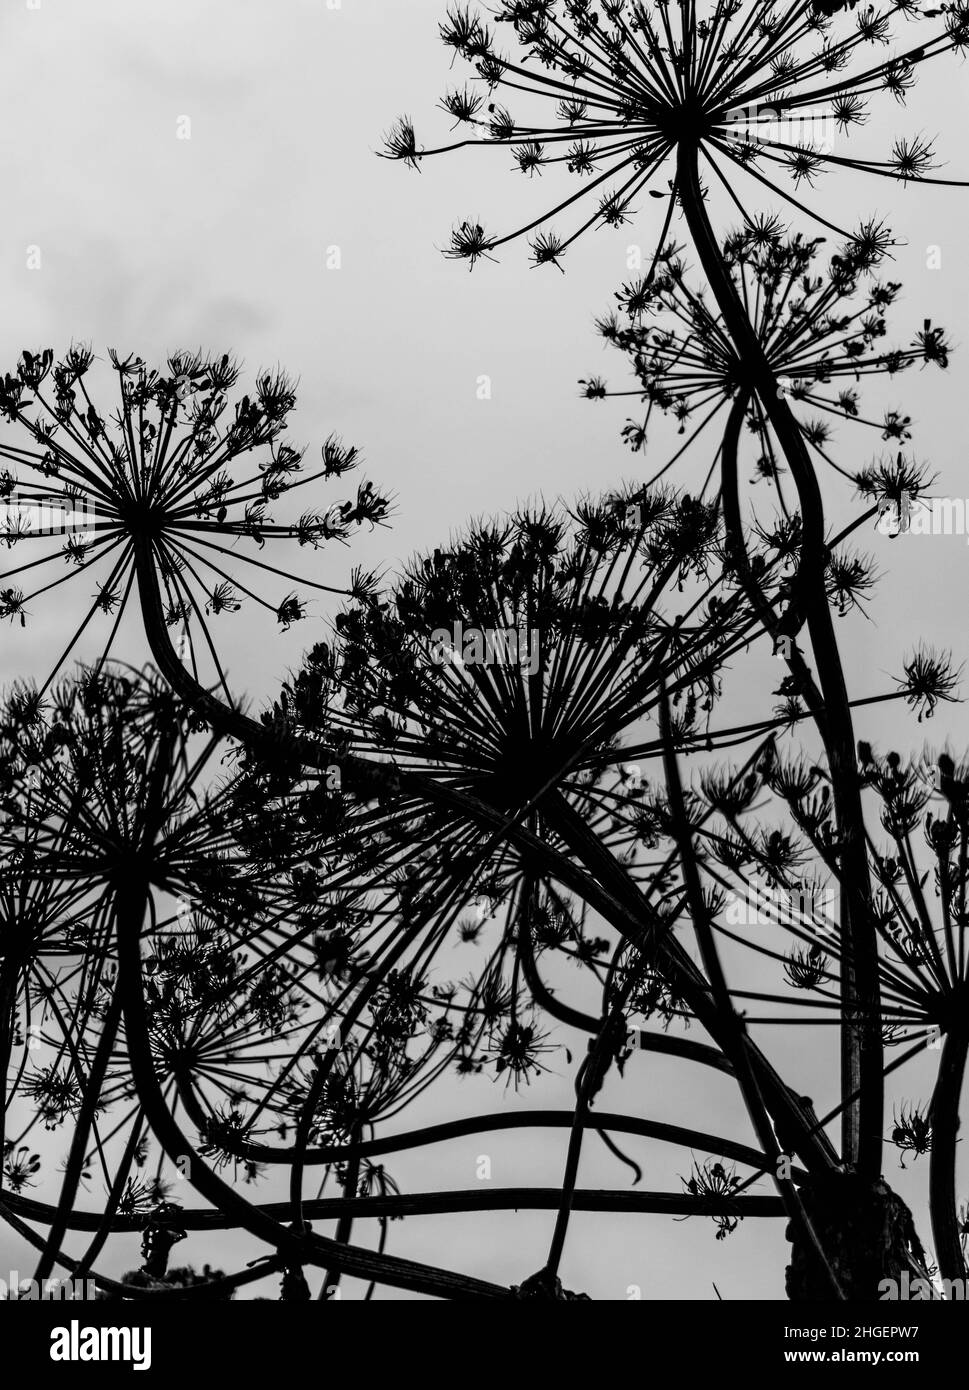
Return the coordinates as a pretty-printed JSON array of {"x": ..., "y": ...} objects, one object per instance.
[{"x": 484, "y": 754}]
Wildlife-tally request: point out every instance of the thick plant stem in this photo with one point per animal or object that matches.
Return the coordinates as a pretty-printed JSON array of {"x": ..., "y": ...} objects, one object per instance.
[
  {"x": 733, "y": 527},
  {"x": 344, "y": 1228},
  {"x": 9, "y": 975},
  {"x": 861, "y": 1044},
  {"x": 591, "y": 1076},
  {"x": 79, "y": 1142},
  {"x": 735, "y": 1043},
  {"x": 943, "y": 1202},
  {"x": 787, "y": 1113},
  {"x": 199, "y": 1219},
  {"x": 110, "y": 1206}
]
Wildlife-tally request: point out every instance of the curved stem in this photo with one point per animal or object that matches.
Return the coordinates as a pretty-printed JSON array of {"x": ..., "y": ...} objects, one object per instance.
[
  {"x": 385, "y": 1206},
  {"x": 621, "y": 904},
  {"x": 786, "y": 1109},
  {"x": 294, "y": 1247},
  {"x": 214, "y": 1288},
  {"x": 733, "y": 526},
  {"x": 540, "y": 992},
  {"x": 79, "y": 1142},
  {"x": 861, "y": 1044},
  {"x": 345, "y": 1224},
  {"x": 735, "y": 1043},
  {"x": 942, "y": 1156},
  {"x": 200, "y": 1220},
  {"x": 9, "y": 976},
  {"x": 111, "y": 1205},
  {"x": 591, "y": 1077}
]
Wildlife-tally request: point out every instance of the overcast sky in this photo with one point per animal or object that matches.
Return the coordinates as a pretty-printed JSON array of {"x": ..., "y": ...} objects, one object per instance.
[{"x": 150, "y": 243}]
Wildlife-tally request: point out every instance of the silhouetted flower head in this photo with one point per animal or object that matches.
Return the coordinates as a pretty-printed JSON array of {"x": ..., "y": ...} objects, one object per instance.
[
  {"x": 775, "y": 859},
  {"x": 822, "y": 326},
  {"x": 522, "y": 665},
  {"x": 108, "y": 781},
  {"x": 111, "y": 766},
  {"x": 714, "y": 1186},
  {"x": 607, "y": 92},
  {"x": 515, "y": 654},
  {"x": 179, "y": 475},
  {"x": 912, "y": 1131}
]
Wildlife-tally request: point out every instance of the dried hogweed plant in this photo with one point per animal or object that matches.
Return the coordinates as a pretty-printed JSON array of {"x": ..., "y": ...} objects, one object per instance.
[
  {"x": 628, "y": 97},
  {"x": 515, "y": 665},
  {"x": 822, "y": 325},
  {"x": 227, "y": 940},
  {"x": 767, "y": 850},
  {"x": 161, "y": 487},
  {"x": 628, "y": 94},
  {"x": 181, "y": 976}
]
